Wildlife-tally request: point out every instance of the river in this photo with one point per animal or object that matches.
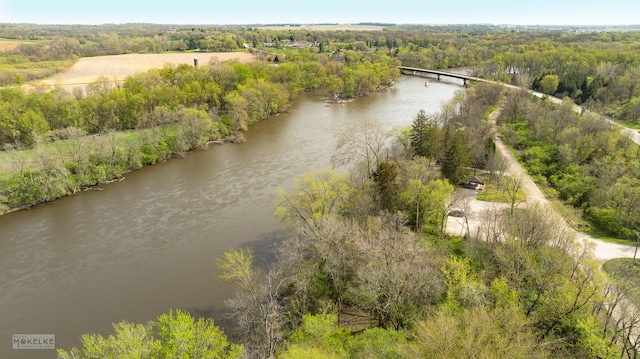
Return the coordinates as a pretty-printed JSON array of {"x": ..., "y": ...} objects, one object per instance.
[{"x": 148, "y": 244}]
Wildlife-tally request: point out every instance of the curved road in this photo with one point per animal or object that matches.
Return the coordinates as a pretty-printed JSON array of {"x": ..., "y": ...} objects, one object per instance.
[{"x": 602, "y": 250}]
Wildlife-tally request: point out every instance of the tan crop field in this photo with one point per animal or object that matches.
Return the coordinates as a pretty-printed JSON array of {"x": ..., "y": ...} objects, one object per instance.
[
  {"x": 345, "y": 27},
  {"x": 9, "y": 45},
  {"x": 118, "y": 67}
]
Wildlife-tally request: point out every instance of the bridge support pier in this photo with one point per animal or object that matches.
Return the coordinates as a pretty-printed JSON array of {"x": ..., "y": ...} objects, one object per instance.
[{"x": 438, "y": 77}]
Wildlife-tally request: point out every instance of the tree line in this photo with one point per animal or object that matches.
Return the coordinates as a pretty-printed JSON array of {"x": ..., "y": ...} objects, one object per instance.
[
  {"x": 173, "y": 110},
  {"x": 595, "y": 68}
]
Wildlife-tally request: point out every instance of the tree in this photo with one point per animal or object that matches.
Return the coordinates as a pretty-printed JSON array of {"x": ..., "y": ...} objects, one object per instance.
[
  {"x": 173, "y": 335},
  {"x": 319, "y": 336},
  {"x": 426, "y": 202},
  {"x": 237, "y": 111},
  {"x": 313, "y": 75},
  {"x": 397, "y": 278},
  {"x": 476, "y": 333},
  {"x": 388, "y": 188},
  {"x": 255, "y": 305},
  {"x": 426, "y": 137},
  {"x": 315, "y": 196},
  {"x": 549, "y": 84},
  {"x": 31, "y": 126},
  {"x": 455, "y": 165},
  {"x": 361, "y": 146},
  {"x": 512, "y": 186},
  {"x": 196, "y": 128},
  {"x": 515, "y": 105}
]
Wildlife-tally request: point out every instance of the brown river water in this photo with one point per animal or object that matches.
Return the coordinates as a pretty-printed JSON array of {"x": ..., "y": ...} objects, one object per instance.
[{"x": 148, "y": 244}]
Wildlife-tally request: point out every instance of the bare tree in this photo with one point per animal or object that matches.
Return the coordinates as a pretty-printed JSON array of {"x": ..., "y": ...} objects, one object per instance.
[
  {"x": 461, "y": 204},
  {"x": 362, "y": 147},
  {"x": 255, "y": 306},
  {"x": 490, "y": 229},
  {"x": 533, "y": 227},
  {"x": 397, "y": 278},
  {"x": 512, "y": 187}
]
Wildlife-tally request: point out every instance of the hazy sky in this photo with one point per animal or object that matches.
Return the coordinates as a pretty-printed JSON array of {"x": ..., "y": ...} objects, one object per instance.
[{"x": 532, "y": 12}]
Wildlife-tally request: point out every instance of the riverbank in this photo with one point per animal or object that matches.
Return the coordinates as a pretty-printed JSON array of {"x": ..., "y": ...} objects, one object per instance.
[
  {"x": 58, "y": 169},
  {"x": 78, "y": 162}
]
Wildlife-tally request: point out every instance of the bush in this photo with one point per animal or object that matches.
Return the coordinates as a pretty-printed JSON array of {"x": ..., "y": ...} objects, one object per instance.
[{"x": 608, "y": 221}]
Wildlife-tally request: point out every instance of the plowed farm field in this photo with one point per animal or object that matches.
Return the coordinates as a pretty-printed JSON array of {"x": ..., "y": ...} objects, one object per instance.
[{"x": 117, "y": 68}]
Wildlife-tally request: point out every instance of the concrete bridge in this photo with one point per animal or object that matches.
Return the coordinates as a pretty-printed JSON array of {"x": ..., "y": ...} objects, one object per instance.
[{"x": 438, "y": 74}]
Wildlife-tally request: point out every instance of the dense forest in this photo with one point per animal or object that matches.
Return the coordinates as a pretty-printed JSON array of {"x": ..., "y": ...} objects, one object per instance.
[{"x": 368, "y": 269}]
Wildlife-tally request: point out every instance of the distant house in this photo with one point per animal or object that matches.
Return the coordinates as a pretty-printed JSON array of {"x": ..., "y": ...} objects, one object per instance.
[
  {"x": 269, "y": 44},
  {"x": 301, "y": 43}
]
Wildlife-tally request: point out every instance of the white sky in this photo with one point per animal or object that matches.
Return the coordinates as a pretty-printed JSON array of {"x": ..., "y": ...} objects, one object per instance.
[{"x": 532, "y": 12}]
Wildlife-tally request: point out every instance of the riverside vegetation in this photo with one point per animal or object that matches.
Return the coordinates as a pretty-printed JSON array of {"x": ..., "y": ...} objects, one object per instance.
[
  {"x": 368, "y": 270},
  {"x": 173, "y": 110}
]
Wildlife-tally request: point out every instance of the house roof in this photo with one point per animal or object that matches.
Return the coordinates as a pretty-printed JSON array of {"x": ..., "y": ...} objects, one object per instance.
[{"x": 475, "y": 179}]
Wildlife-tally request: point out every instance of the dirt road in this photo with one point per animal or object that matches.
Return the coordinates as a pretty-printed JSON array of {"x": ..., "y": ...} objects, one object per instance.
[{"x": 603, "y": 250}]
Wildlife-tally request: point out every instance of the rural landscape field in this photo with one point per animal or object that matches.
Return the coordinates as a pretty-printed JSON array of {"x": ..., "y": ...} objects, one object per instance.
[
  {"x": 117, "y": 67},
  {"x": 9, "y": 45},
  {"x": 278, "y": 200}
]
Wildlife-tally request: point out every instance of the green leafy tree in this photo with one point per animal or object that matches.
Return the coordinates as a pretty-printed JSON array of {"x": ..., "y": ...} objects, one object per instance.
[
  {"x": 319, "y": 336},
  {"x": 477, "y": 332},
  {"x": 549, "y": 84},
  {"x": 425, "y": 202},
  {"x": 32, "y": 126},
  {"x": 315, "y": 196},
  {"x": 174, "y": 335}
]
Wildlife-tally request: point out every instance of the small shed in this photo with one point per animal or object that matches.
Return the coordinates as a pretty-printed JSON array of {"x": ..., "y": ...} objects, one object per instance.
[{"x": 475, "y": 182}]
